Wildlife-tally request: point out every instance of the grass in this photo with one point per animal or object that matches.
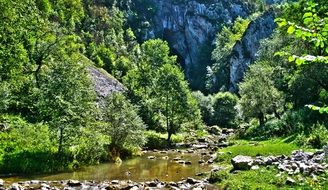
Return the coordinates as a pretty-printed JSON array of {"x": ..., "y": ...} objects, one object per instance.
[
  {"x": 261, "y": 148},
  {"x": 265, "y": 177}
]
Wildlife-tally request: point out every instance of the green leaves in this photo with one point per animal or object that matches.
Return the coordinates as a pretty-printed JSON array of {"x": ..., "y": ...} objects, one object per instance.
[
  {"x": 291, "y": 29},
  {"x": 317, "y": 108}
]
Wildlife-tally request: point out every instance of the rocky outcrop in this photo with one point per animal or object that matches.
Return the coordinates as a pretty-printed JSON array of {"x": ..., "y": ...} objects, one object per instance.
[
  {"x": 244, "y": 52},
  {"x": 104, "y": 84},
  {"x": 189, "y": 25}
]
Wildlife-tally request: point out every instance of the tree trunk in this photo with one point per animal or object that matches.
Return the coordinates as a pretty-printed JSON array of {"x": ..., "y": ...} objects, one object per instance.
[
  {"x": 168, "y": 128},
  {"x": 60, "y": 145},
  {"x": 261, "y": 119}
]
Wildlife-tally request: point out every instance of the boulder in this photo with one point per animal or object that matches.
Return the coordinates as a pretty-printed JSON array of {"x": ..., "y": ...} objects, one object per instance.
[
  {"x": 2, "y": 182},
  {"x": 242, "y": 162}
]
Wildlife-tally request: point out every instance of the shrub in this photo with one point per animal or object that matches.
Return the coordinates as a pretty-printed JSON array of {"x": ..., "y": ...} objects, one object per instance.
[
  {"x": 225, "y": 112},
  {"x": 26, "y": 148},
  {"x": 155, "y": 140}
]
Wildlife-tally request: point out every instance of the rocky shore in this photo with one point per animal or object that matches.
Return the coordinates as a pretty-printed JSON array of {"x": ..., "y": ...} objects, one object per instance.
[{"x": 189, "y": 183}]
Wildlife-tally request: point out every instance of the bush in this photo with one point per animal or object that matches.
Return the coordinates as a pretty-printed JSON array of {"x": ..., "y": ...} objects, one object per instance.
[
  {"x": 225, "y": 112},
  {"x": 155, "y": 140},
  {"x": 205, "y": 103},
  {"x": 319, "y": 137},
  {"x": 26, "y": 148}
]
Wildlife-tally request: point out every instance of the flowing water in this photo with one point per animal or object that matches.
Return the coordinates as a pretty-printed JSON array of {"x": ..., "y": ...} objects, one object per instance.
[{"x": 163, "y": 167}]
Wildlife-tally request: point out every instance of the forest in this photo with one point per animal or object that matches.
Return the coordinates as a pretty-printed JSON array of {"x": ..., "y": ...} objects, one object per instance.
[{"x": 52, "y": 118}]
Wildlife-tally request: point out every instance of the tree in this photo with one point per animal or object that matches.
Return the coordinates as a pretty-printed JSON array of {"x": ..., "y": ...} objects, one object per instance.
[
  {"x": 66, "y": 98},
  {"x": 258, "y": 95},
  {"x": 173, "y": 99},
  {"x": 205, "y": 104},
  {"x": 312, "y": 30},
  {"x": 122, "y": 125},
  {"x": 225, "y": 112},
  {"x": 159, "y": 87}
]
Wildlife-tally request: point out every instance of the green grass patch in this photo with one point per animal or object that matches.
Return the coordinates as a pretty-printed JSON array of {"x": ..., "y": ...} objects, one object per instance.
[
  {"x": 256, "y": 148},
  {"x": 261, "y": 148},
  {"x": 254, "y": 179},
  {"x": 266, "y": 179}
]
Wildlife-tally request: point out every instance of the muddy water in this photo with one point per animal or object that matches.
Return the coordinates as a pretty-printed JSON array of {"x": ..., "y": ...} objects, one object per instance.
[{"x": 163, "y": 167}]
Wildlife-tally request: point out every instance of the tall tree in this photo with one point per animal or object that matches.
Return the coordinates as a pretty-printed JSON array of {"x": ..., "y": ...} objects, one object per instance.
[
  {"x": 258, "y": 95},
  {"x": 66, "y": 99},
  {"x": 173, "y": 99}
]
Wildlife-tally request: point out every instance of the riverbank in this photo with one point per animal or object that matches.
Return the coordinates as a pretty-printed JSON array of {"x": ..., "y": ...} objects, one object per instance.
[{"x": 213, "y": 161}]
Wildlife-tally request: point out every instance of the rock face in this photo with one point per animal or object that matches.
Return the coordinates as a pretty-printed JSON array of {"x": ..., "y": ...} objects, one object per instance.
[
  {"x": 244, "y": 51},
  {"x": 104, "y": 84},
  {"x": 189, "y": 25}
]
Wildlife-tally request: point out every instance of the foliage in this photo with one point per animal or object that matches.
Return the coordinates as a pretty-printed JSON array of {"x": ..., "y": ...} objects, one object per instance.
[
  {"x": 205, "y": 103},
  {"x": 66, "y": 99},
  {"x": 123, "y": 127},
  {"x": 158, "y": 85},
  {"x": 27, "y": 148},
  {"x": 225, "y": 112},
  {"x": 258, "y": 94},
  {"x": 312, "y": 29},
  {"x": 218, "y": 74}
]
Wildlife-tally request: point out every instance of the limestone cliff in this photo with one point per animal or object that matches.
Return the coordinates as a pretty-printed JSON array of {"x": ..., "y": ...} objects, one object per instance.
[
  {"x": 244, "y": 51},
  {"x": 187, "y": 25},
  {"x": 190, "y": 25}
]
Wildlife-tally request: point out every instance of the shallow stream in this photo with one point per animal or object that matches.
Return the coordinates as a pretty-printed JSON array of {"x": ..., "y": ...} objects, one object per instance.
[{"x": 138, "y": 169}]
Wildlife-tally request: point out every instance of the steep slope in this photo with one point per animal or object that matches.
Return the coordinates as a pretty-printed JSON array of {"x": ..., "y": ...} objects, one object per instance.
[
  {"x": 244, "y": 52},
  {"x": 188, "y": 25},
  {"x": 104, "y": 84}
]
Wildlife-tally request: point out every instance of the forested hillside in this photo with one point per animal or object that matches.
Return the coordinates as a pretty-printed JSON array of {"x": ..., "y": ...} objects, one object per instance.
[{"x": 89, "y": 81}]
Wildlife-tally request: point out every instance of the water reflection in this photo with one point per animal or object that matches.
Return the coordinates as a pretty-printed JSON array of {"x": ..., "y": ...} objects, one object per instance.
[{"x": 138, "y": 169}]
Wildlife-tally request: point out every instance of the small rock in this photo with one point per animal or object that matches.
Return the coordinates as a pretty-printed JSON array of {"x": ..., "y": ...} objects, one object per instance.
[
  {"x": 177, "y": 158},
  {"x": 242, "y": 162},
  {"x": 256, "y": 167},
  {"x": 192, "y": 181},
  {"x": 188, "y": 162},
  {"x": 115, "y": 182},
  {"x": 151, "y": 157},
  {"x": 214, "y": 130},
  {"x": 202, "y": 140},
  {"x": 74, "y": 183},
  {"x": 190, "y": 151},
  {"x": 290, "y": 181},
  {"x": 151, "y": 184},
  {"x": 134, "y": 188},
  {"x": 181, "y": 161},
  {"x": 201, "y": 161},
  {"x": 200, "y": 146},
  {"x": 35, "y": 181},
  {"x": 200, "y": 174},
  {"x": 16, "y": 186},
  {"x": 44, "y": 185}
]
